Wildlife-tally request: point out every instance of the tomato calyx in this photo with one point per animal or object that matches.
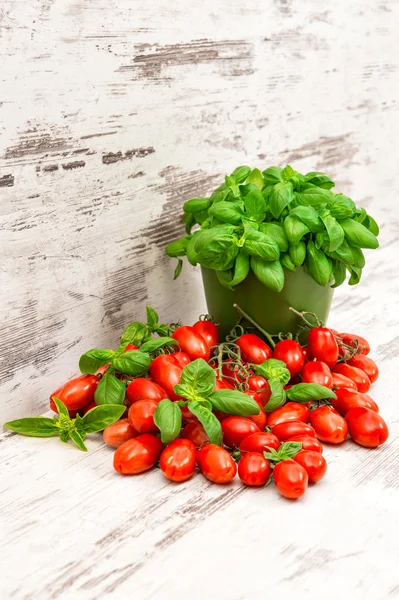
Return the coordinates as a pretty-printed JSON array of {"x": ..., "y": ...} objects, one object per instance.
[{"x": 286, "y": 451}]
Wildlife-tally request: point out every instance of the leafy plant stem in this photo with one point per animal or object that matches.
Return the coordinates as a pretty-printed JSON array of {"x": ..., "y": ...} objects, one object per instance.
[{"x": 255, "y": 324}]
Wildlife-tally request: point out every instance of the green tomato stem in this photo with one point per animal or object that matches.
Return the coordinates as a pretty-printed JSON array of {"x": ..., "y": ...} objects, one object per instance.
[{"x": 255, "y": 324}]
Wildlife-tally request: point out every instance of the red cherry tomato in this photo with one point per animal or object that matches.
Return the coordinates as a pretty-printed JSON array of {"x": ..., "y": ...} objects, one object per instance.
[
  {"x": 182, "y": 359},
  {"x": 288, "y": 429},
  {"x": 138, "y": 454},
  {"x": 260, "y": 419},
  {"x": 222, "y": 384},
  {"x": 261, "y": 386},
  {"x": 323, "y": 346},
  {"x": 340, "y": 381},
  {"x": 141, "y": 416},
  {"x": 350, "y": 339},
  {"x": 102, "y": 370},
  {"x": 357, "y": 375},
  {"x": 306, "y": 354},
  {"x": 347, "y": 399},
  {"x": 308, "y": 443},
  {"x": 130, "y": 347},
  {"x": 291, "y": 479},
  {"x": 253, "y": 349},
  {"x": 187, "y": 415},
  {"x": 236, "y": 429},
  {"x": 88, "y": 407},
  {"x": 191, "y": 342},
  {"x": 118, "y": 433},
  {"x": 166, "y": 373},
  {"x": 314, "y": 464},
  {"x": 291, "y": 353},
  {"x": 195, "y": 433},
  {"x": 317, "y": 372},
  {"x": 259, "y": 442},
  {"x": 209, "y": 332},
  {"x": 216, "y": 463},
  {"x": 254, "y": 470},
  {"x": 366, "y": 427},
  {"x": 291, "y": 411},
  {"x": 329, "y": 425},
  {"x": 76, "y": 393},
  {"x": 366, "y": 364},
  {"x": 178, "y": 460},
  {"x": 144, "y": 389}
]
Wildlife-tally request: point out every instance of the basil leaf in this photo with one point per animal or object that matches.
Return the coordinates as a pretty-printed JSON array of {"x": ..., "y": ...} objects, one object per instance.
[
  {"x": 309, "y": 216},
  {"x": 287, "y": 263},
  {"x": 100, "y": 417},
  {"x": 34, "y": 426},
  {"x": 294, "y": 229},
  {"x": 178, "y": 269},
  {"x": 342, "y": 207},
  {"x": 371, "y": 225},
  {"x": 190, "y": 252},
  {"x": 199, "y": 376},
  {"x": 298, "y": 253},
  {"x": 110, "y": 390},
  {"x": 227, "y": 212},
  {"x": 76, "y": 437},
  {"x": 188, "y": 221},
  {"x": 210, "y": 423},
  {"x": 256, "y": 178},
  {"x": 135, "y": 333},
  {"x": 280, "y": 196},
  {"x": 205, "y": 237},
  {"x": 61, "y": 408},
  {"x": 245, "y": 188},
  {"x": 201, "y": 217},
  {"x": 197, "y": 205},
  {"x": 320, "y": 180},
  {"x": 317, "y": 265},
  {"x": 358, "y": 235},
  {"x": 360, "y": 215},
  {"x": 133, "y": 362},
  {"x": 273, "y": 369},
  {"x": 233, "y": 402},
  {"x": 255, "y": 206},
  {"x": 344, "y": 253},
  {"x": 358, "y": 258},
  {"x": 168, "y": 419},
  {"x": 225, "y": 278},
  {"x": 276, "y": 232},
  {"x": 177, "y": 248},
  {"x": 271, "y": 274},
  {"x": 277, "y": 397},
  {"x": 355, "y": 275},
  {"x": 260, "y": 245},
  {"x": 339, "y": 273},
  {"x": 305, "y": 392},
  {"x": 314, "y": 196},
  {"x": 156, "y": 343},
  {"x": 92, "y": 360},
  {"x": 240, "y": 174},
  {"x": 272, "y": 175},
  {"x": 152, "y": 316},
  {"x": 241, "y": 268},
  {"x": 220, "y": 253},
  {"x": 335, "y": 232},
  {"x": 288, "y": 173}
]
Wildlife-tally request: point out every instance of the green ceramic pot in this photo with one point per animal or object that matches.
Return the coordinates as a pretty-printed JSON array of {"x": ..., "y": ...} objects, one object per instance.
[{"x": 269, "y": 309}]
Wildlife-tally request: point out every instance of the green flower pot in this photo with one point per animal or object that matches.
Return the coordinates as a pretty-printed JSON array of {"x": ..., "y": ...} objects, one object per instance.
[{"x": 269, "y": 309}]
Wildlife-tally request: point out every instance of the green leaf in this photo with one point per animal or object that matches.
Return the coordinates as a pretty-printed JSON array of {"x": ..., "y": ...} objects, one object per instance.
[
  {"x": 110, "y": 390},
  {"x": 206, "y": 237},
  {"x": 188, "y": 220},
  {"x": 358, "y": 235},
  {"x": 201, "y": 218},
  {"x": 317, "y": 265},
  {"x": 342, "y": 207},
  {"x": 256, "y": 178},
  {"x": 371, "y": 225},
  {"x": 339, "y": 273},
  {"x": 225, "y": 278},
  {"x": 272, "y": 175},
  {"x": 294, "y": 229},
  {"x": 344, "y": 253},
  {"x": 360, "y": 215},
  {"x": 191, "y": 253},
  {"x": 210, "y": 423},
  {"x": 197, "y": 205},
  {"x": 271, "y": 274},
  {"x": 255, "y": 206},
  {"x": 298, "y": 253},
  {"x": 286, "y": 451},
  {"x": 227, "y": 212},
  {"x": 133, "y": 362},
  {"x": 177, "y": 248},
  {"x": 178, "y": 269},
  {"x": 309, "y": 216},
  {"x": 233, "y": 402},
  {"x": 358, "y": 258},
  {"x": 168, "y": 419},
  {"x": 277, "y": 397},
  {"x": 220, "y": 252},
  {"x": 335, "y": 232},
  {"x": 287, "y": 263},
  {"x": 92, "y": 360},
  {"x": 355, "y": 275},
  {"x": 77, "y": 439},
  {"x": 276, "y": 232},
  {"x": 320, "y": 180},
  {"x": 261, "y": 245},
  {"x": 306, "y": 392},
  {"x": 241, "y": 268},
  {"x": 314, "y": 196},
  {"x": 34, "y": 427},
  {"x": 273, "y": 369},
  {"x": 135, "y": 333},
  {"x": 100, "y": 417},
  {"x": 288, "y": 173},
  {"x": 61, "y": 408},
  {"x": 156, "y": 343},
  {"x": 240, "y": 174},
  {"x": 199, "y": 376},
  {"x": 280, "y": 196},
  {"x": 152, "y": 316}
]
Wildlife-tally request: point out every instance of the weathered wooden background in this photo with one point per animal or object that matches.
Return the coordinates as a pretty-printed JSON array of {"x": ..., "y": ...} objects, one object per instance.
[{"x": 113, "y": 112}]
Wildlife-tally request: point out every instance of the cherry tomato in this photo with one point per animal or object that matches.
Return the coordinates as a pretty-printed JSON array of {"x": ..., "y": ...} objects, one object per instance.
[
  {"x": 329, "y": 425},
  {"x": 130, "y": 347},
  {"x": 347, "y": 399},
  {"x": 366, "y": 364},
  {"x": 340, "y": 381},
  {"x": 88, "y": 407},
  {"x": 141, "y": 416},
  {"x": 291, "y": 411},
  {"x": 178, "y": 460},
  {"x": 314, "y": 464},
  {"x": 209, "y": 332},
  {"x": 261, "y": 386},
  {"x": 192, "y": 343},
  {"x": 118, "y": 433},
  {"x": 222, "y": 384},
  {"x": 317, "y": 372},
  {"x": 260, "y": 419},
  {"x": 195, "y": 433},
  {"x": 102, "y": 370},
  {"x": 288, "y": 429},
  {"x": 253, "y": 349},
  {"x": 350, "y": 339},
  {"x": 220, "y": 415},
  {"x": 182, "y": 359},
  {"x": 357, "y": 375},
  {"x": 187, "y": 415},
  {"x": 291, "y": 479},
  {"x": 308, "y": 443},
  {"x": 236, "y": 429},
  {"x": 323, "y": 346},
  {"x": 216, "y": 463},
  {"x": 291, "y": 353},
  {"x": 366, "y": 427},
  {"x": 76, "y": 393},
  {"x": 138, "y": 454},
  {"x": 306, "y": 354},
  {"x": 144, "y": 389},
  {"x": 166, "y": 373},
  {"x": 254, "y": 469},
  {"x": 259, "y": 442}
]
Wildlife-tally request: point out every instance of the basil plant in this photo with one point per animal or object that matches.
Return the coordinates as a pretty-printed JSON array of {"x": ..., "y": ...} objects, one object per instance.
[{"x": 275, "y": 220}]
